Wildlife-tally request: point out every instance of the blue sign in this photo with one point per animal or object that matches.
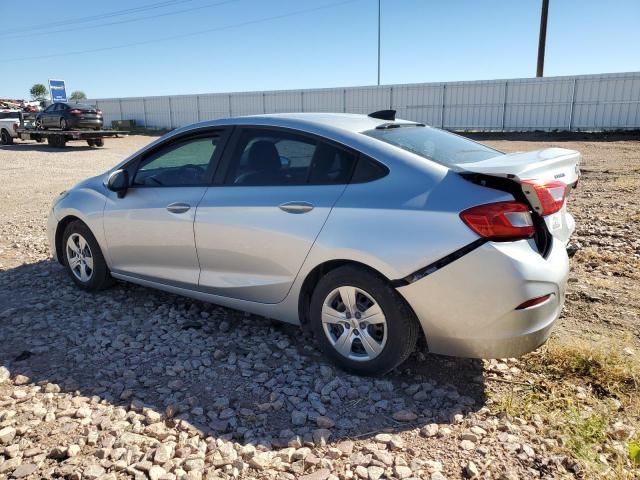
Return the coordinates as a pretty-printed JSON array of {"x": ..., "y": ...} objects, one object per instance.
[{"x": 58, "y": 92}]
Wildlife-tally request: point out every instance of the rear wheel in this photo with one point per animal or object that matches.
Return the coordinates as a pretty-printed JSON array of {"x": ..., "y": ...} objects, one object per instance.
[
  {"x": 5, "y": 138},
  {"x": 99, "y": 142},
  {"x": 90, "y": 143},
  {"x": 361, "y": 322},
  {"x": 83, "y": 258}
]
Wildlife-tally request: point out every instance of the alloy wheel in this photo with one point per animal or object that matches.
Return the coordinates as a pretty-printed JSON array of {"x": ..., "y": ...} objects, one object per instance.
[
  {"x": 80, "y": 257},
  {"x": 354, "y": 323}
]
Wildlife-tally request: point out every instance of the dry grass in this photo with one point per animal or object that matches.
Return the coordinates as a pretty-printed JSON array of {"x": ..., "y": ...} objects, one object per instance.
[
  {"x": 631, "y": 182},
  {"x": 603, "y": 365},
  {"x": 616, "y": 263},
  {"x": 608, "y": 380}
]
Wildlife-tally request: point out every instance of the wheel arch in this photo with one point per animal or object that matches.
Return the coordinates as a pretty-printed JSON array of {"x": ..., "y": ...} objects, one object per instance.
[
  {"x": 314, "y": 276},
  {"x": 60, "y": 228}
]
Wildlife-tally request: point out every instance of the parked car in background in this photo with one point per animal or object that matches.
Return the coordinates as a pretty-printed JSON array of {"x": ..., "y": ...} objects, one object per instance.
[
  {"x": 369, "y": 230},
  {"x": 68, "y": 116},
  {"x": 9, "y": 123}
]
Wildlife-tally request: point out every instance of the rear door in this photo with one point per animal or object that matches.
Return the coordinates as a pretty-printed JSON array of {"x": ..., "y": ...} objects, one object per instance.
[
  {"x": 149, "y": 232},
  {"x": 256, "y": 225},
  {"x": 60, "y": 112},
  {"x": 47, "y": 115}
]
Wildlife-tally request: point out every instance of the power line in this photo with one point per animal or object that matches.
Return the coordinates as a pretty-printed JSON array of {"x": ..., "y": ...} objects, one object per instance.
[
  {"x": 184, "y": 35},
  {"x": 130, "y": 20},
  {"x": 116, "y": 13}
]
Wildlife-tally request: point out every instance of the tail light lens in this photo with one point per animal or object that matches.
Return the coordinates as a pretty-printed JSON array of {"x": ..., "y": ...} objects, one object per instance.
[
  {"x": 501, "y": 221},
  {"x": 550, "y": 195},
  {"x": 75, "y": 111}
]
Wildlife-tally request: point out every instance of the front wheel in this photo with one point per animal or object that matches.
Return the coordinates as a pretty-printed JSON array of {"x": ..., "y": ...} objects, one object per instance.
[
  {"x": 83, "y": 258},
  {"x": 361, "y": 322}
]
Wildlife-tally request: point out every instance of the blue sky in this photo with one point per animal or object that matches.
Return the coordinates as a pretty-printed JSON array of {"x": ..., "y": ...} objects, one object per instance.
[{"x": 422, "y": 41}]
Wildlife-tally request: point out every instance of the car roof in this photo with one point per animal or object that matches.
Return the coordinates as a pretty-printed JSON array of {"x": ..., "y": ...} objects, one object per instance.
[
  {"x": 346, "y": 122},
  {"x": 343, "y": 128}
]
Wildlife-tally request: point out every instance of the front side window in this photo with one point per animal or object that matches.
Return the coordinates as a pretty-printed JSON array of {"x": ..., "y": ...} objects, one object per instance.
[
  {"x": 50, "y": 108},
  {"x": 184, "y": 163},
  {"x": 272, "y": 157},
  {"x": 442, "y": 147}
]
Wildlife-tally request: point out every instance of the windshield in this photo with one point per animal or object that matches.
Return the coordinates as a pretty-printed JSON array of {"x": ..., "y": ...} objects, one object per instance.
[{"x": 440, "y": 146}]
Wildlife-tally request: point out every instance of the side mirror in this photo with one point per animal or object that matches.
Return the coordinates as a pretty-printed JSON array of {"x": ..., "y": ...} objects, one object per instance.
[{"x": 118, "y": 182}]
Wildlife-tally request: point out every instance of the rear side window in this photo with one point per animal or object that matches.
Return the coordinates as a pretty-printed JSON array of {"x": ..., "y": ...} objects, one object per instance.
[
  {"x": 442, "y": 147},
  {"x": 368, "y": 170},
  {"x": 265, "y": 157}
]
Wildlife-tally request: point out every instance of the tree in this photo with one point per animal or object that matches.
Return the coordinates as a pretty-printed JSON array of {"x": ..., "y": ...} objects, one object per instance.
[
  {"x": 78, "y": 95},
  {"x": 38, "y": 92}
]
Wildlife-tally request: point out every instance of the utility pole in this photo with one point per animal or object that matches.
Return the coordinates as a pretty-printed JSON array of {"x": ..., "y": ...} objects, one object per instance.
[
  {"x": 379, "y": 41},
  {"x": 542, "y": 40}
]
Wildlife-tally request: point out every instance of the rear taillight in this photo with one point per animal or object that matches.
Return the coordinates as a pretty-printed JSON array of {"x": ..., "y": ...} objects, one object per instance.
[
  {"x": 546, "y": 197},
  {"x": 501, "y": 221},
  {"x": 15, "y": 127},
  {"x": 75, "y": 111}
]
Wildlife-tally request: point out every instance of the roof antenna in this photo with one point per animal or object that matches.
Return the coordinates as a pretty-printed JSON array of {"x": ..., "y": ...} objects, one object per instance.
[{"x": 384, "y": 115}]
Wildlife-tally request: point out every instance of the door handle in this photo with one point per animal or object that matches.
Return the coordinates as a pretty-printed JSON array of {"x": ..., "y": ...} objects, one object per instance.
[
  {"x": 178, "y": 207},
  {"x": 296, "y": 207}
]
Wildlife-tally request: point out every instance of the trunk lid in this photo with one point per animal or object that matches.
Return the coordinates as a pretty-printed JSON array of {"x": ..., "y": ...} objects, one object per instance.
[{"x": 538, "y": 173}]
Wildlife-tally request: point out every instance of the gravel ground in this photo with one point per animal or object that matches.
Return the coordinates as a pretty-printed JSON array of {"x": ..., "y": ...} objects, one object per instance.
[{"x": 136, "y": 383}]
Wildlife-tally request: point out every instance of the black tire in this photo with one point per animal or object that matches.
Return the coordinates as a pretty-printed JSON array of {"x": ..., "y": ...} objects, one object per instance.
[
  {"x": 39, "y": 139},
  {"x": 39, "y": 125},
  {"x": 401, "y": 324},
  {"x": 100, "y": 277},
  {"x": 63, "y": 124},
  {"x": 90, "y": 143},
  {"x": 99, "y": 142},
  {"x": 5, "y": 138}
]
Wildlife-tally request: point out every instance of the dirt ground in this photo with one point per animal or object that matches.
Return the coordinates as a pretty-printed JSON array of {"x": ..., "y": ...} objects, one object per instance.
[{"x": 133, "y": 383}]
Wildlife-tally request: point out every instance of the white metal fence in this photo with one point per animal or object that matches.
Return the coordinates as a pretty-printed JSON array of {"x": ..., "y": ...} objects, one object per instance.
[{"x": 575, "y": 103}]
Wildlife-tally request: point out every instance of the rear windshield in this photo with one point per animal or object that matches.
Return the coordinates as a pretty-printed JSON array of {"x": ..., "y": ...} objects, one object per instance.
[
  {"x": 4, "y": 115},
  {"x": 440, "y": 146},
  {"x": 81, "y": 106}
]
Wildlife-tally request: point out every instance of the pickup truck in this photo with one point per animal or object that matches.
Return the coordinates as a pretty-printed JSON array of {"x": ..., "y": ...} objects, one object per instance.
[{"x": 9, "y": 123}]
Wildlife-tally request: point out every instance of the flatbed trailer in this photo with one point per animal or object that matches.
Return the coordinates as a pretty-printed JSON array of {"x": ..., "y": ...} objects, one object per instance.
[{"x": 59, "y": 138}]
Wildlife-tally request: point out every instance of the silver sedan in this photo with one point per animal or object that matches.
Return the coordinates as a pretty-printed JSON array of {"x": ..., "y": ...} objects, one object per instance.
[{"x": 369, "y": 230}]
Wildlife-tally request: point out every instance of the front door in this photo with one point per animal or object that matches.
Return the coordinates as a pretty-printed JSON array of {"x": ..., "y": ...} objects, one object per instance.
[
  {"x": 254, "y": 231},
  {"x": 149, "y": 232}
]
